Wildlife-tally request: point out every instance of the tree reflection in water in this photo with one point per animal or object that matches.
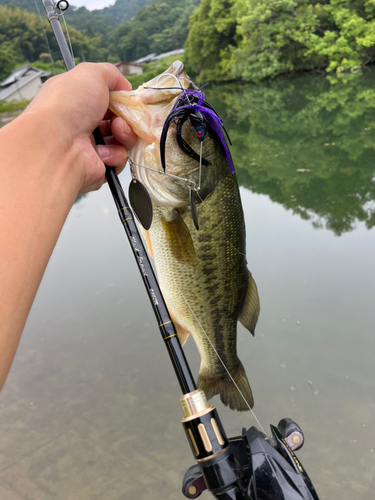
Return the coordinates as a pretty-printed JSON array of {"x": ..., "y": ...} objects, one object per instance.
[{"x": 306, "y": 142}]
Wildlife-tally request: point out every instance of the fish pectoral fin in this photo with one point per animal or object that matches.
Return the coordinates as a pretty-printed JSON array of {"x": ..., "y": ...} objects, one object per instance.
[
  {"x": 251, "y": 308},
  {"x": 179, "y": 239},
  {"x": 147, "y": 238}
]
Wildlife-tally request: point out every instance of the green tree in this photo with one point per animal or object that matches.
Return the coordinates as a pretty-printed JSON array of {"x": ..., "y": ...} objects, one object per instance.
[
  {"x": 273, "y": 38},
  {"x": 134, "y": 44},
  {"x": 91, "y": 23},
  {"x": 212, "y": 31},
  {"x": 256, "y": 39},
  {"x": 350, "y": 41},
  {"x": 7, "y": 59},
  {"x": 22, "y": 32},
  {"x": 158, "y": 27}
]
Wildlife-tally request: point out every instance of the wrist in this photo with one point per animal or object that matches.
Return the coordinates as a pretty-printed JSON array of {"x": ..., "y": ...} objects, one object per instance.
[{"x": 39, "y": 182}]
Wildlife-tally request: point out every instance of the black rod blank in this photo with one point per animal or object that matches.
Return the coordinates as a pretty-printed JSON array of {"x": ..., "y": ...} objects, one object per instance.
[{"x": 165, "y": 323}]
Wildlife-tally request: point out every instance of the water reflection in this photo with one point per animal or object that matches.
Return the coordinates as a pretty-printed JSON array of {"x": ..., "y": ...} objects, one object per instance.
[
  {"x": 91, "y": 368},
  {"x": 306, "y": 143}
]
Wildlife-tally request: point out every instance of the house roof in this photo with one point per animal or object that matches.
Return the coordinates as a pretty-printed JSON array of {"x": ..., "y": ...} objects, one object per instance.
[
  {"x": 20, "y": 77},
  {"x": 149, "y": 57},
  {"x": 176, "y": 52},
  {"x": 154, "y": 56}
]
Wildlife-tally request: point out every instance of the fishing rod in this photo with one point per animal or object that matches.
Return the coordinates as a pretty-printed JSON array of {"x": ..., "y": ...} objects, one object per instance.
[
  {"x": 251, "y": 466},
  {"x": 166, "y": 326}
]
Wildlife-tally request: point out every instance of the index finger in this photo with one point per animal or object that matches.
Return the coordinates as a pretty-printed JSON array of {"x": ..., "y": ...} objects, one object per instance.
[{"x": 114, "y": 79}]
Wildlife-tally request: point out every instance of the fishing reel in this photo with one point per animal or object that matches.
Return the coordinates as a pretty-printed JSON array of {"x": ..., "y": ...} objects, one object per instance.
[{"x": 248, "y": 467}]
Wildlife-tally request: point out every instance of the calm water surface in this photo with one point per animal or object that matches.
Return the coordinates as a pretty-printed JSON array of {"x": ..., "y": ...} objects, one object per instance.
[{"x": 90, "y": 409}]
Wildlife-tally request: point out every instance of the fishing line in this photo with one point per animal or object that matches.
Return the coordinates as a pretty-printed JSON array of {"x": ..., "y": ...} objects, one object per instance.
[
  {"x": 161, "y": 172},
  {"x": 66, "y": 26},
  {"x": 178, "y": 80},
  {"x": 45, "y": 36},
  {"x": 183, "y": 88},
  {"x": 200, "y": 166},
  {"x": 166, "y": 75},
  {"x": 218, "y": 356},
  {"x": 170, "y": 88},
  {"x": 162, "y": 88}
]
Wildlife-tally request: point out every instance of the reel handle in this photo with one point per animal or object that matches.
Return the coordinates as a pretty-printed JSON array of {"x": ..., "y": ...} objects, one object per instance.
[
  {"x": 251, "y": 467},
  {"x": 292, "y": 433}
]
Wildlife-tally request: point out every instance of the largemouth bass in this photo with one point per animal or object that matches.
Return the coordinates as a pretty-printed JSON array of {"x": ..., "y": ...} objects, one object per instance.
[{"x": 202, "y": 273}]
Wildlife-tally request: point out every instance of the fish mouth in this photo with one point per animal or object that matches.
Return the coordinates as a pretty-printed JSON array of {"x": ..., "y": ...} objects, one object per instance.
[{"x": 147, "y": 108}]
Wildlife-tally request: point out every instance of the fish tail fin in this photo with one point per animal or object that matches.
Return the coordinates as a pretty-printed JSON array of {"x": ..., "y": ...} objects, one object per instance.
[{"x": 222, "y": 384}]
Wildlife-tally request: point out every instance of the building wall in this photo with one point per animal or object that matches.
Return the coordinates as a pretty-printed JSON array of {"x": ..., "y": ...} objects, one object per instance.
[
  {"x": 130, "y": 69},
  {"x": 136, "y": 70},
  {"x": 27, "y": 92}
]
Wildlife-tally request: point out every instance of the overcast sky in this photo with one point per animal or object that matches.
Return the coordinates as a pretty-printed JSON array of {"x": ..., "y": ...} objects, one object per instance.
[{"x": 92, "y": 4}]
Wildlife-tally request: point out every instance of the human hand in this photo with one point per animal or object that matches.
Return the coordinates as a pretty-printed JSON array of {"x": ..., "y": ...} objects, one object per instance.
[
  {"x": 74, "y": 104},
  {"x": 119, "y": 138}
]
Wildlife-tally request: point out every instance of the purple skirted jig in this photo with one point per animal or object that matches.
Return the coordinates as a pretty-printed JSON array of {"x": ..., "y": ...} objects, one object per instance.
[{"x": 192, "y": 104}]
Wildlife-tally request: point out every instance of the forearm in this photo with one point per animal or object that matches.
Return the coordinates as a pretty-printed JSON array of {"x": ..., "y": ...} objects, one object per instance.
[
  {"x": 38, "y": 186},
  {"x": 47, "y": 157}
]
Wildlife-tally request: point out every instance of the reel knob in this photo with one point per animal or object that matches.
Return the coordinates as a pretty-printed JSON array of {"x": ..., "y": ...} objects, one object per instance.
[
  {"x": 193, "y": 483},
  {"x": 292, "y": 433}
]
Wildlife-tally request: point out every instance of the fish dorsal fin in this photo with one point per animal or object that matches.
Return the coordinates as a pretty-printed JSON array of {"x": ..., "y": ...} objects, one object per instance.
[
  {"x": 179, "y": 239},
  {"x": 251, "y": 308}
]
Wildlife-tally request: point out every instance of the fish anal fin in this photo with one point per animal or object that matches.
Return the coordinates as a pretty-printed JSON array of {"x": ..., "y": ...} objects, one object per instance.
[
  {"x": 251, "y": 308},
  {"x": 223, "y": 385},
  {"x": 147, "y": 238},
  {"x": 179, "y": 240}
]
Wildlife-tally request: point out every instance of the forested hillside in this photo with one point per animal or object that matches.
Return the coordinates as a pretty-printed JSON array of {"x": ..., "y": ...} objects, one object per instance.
[
  {"x": 256, "y": 39},
  {"x": 104, "y": 20},
  {"x": 159, "y": 27},
  {"x": 90, "y": 22},
  {"x": 22, "y": 39},
  {"x": 22, "y": 4},
  {"x": 247, "y": 40}
]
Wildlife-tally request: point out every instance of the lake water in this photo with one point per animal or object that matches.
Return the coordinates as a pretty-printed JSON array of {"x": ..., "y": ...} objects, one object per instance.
[{"x": 91, "y": 407}]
